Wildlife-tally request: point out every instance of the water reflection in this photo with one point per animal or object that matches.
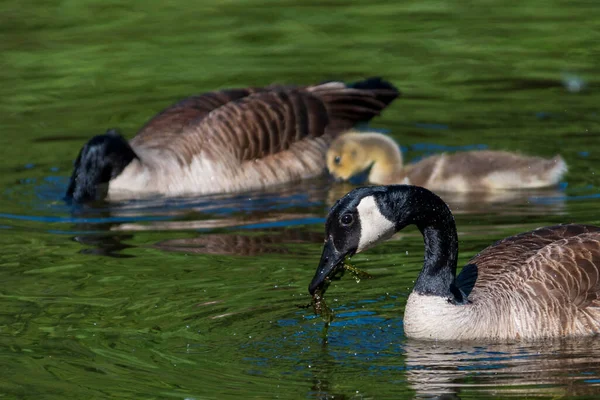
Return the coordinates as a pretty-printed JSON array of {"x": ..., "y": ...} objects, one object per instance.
[
  {"x": 268, "y": 220},
  {"x": 371, "y": 350},
  {"x": 322, "y": 386},
  {"x": 556, "y": 368},
  {"x": 292, "y": 205},
  {"x": 268, "y": 241},
  {"x": 508, "y": 202},
  {"x": 266, "y": 229},
  {"x": 287, "y": 205},
  {"x": 104, "y": 245},
  {"x": 278, "y": 206}
]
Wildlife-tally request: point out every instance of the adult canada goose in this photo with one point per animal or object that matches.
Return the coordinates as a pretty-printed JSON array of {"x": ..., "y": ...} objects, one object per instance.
[
  {"x": 538, "y": 284},
  {"x": 471, "y": 171},
  {"x": 227, "y": 141}
]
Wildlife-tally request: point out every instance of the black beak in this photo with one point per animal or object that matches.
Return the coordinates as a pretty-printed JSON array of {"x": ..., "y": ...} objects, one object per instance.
[
  {"x": 331, "y": 262},
  {"x": 362, "y": 177}
]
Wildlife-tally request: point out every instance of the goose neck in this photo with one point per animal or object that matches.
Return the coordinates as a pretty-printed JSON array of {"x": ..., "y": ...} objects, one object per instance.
[
  {"x": 385, "y": 157},
  {"x": 436, "y": 223}
]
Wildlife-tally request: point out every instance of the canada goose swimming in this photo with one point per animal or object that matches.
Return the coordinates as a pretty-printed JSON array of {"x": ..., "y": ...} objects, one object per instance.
[
  {"x": 227, "y": 141},
  {"x": 471, "y": 171},
  {"x": 539, "y": 284}
]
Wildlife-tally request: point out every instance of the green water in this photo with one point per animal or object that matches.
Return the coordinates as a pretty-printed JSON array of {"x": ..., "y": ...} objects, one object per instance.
[{"x": 197, "y": 298}]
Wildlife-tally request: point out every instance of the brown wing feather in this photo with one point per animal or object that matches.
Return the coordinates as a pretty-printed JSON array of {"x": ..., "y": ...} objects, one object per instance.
[
  {"x": 518, "y": 248},
  {"x": 257, "y": 126},
  {"x": 267, "y": 122},
  {"x": 172, "y": 121},
  {"x": 571, "y": 268},
  {"x": 544, "y": 251},
  {"x": 360, "y": 102}
]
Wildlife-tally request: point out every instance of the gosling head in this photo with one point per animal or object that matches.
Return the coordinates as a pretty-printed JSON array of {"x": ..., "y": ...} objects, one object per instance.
[
  {"x": 369, "y": 155},
  {"x": 103, "y": 158},
  {"x": 347, "y": 157},
  {"x": 359, "y": 220}
]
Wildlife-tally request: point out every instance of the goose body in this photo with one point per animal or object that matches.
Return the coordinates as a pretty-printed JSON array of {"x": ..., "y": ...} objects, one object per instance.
[
  {"x": 227, "y": 141},
  {"x": 470, "y": 171},
  {"x": 539, "y": 284}
]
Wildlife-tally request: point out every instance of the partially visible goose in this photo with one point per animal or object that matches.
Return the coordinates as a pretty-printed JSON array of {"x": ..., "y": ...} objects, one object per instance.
[
  {"x": 539, "y": 284},
  {"x": 227, "y": 141},
  {"x": 471, "y": 171}
]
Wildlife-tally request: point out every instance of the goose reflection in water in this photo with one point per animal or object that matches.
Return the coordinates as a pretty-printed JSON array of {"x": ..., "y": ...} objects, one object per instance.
[
  {"x": 309, "y": 204},
  {"x": 269, "y": 241},
  {"x": 558, "y": 368},
  {"x": 451, "y": 370},
  {"x": 305, "y": 203}
]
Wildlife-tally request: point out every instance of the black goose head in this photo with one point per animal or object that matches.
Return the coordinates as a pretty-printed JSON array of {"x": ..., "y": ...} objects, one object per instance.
[
  {"x": 103, "y": 158},
  {"x": 359, "y": 220}
]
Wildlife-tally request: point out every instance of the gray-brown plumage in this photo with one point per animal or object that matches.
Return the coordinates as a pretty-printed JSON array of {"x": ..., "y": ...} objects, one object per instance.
[
  {"x": 540, "y": 284},
  {"x": 543, "y": 283},
  {"x": 470, "y": 171},
  {"x": 228, "y": 141}
]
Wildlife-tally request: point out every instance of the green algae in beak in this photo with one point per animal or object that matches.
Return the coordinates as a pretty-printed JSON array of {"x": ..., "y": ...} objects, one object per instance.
[
  {"x": 356, "y": 273},
  {"x": 318, "y": 299}
]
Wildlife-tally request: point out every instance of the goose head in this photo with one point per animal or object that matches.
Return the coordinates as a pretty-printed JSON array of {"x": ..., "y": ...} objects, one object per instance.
[
  {"x": 358, "y": 221},
  {"x": 370, "y": 153},
  {"x": 102, "y": 158},
  {"x": 370, "y": 215}
]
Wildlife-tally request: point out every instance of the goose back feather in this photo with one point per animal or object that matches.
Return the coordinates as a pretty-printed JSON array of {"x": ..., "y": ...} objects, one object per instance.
[{"x": 553, "y": 272}]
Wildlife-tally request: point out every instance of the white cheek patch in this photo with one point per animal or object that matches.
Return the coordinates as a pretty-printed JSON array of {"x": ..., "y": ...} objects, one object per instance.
[{"x": 374, "y": 227}]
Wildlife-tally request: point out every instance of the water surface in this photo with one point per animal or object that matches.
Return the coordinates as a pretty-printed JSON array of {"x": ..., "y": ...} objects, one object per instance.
[{"x": 196, "y": 298}]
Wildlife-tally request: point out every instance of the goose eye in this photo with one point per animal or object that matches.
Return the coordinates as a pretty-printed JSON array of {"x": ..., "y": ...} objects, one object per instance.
[
  {"x": 347, "y": 220},
  {"x": 337, "y": 160}
]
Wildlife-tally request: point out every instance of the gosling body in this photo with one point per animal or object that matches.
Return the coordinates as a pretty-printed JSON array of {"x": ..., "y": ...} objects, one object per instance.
[{"x": 471, "y": 171}]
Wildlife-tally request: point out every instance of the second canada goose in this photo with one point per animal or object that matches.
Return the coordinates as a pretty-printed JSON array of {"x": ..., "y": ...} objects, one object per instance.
[
  {"x": 539, "y": 284},
  {"x": 470, "y": 171},
  {"x": 227, "y": 141}
]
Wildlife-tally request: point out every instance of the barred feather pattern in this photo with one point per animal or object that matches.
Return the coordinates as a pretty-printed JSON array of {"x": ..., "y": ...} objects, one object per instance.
[
  {"x": 242, "y": 139},
  {"x": 540, "y": 284}
]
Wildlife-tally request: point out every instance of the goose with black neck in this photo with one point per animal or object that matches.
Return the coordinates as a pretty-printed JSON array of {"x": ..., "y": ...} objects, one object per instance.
[
  {"x": 539, "y": 284},
  {"x": 227, "y": 141}
]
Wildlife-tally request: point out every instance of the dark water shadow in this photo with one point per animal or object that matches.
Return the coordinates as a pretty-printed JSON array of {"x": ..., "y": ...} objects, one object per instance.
[{"x": 267, "y": 241}]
